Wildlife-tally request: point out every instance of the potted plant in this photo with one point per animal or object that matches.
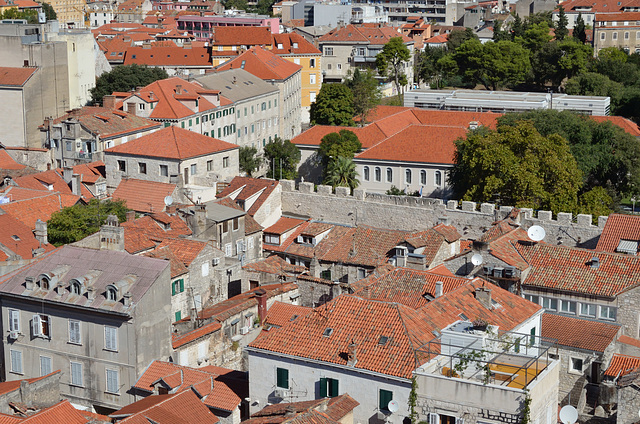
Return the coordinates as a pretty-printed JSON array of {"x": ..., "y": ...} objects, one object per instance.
[{"x": 480, "y": 324}]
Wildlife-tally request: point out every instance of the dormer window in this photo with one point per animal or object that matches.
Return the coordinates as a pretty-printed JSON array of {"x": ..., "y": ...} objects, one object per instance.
[
  {"x": 75, "y": 287},
  {"x": 44, "y": 282},
  {"x": 111, "y": 293}
]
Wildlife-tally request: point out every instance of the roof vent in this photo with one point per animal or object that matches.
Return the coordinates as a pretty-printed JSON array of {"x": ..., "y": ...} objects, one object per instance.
[
  {"x": 383, "y": 340},
  {"x": 595, "y": 263},
  {"x": 327, "y": 332}
]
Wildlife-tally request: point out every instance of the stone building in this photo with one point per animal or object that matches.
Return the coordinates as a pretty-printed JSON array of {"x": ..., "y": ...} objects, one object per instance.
[
  {"x": 260, "y": 198},
  {"x": 619, "y": 30},
  {"x": 37, "y": 393}
]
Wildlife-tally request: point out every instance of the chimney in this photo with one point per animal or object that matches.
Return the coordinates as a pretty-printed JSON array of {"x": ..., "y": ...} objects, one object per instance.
[
  {"x": 234, "y": 80},
  {"x": 483, "y": 295},
  {"x": 67, "y": 173},
  {"x": 91, "y": 293},
  {"x": 41, "y": 232},
  {"x": 261, "y": 295},
  {"x": 314, "y": 267},
  {"x": 351, "y": 354},
  {"x": 131, "y": 215},
  {"x": 112, "y": 235},
  {"x": 76, "y": 181},
  {"x": 171, "y": 210},
  {"x": 150, "y": 95},
  {"x": 146, "y": 45},
  {"x": 179, "y": 89},
  {"x": 193, "y": 315},
  {"x": 439, "y": 285},
  {"x": 289, "y": 412},
  {"x": 127, "y": 299},
  {"x": 595, "y": 262},
  {"x": 109, "y": 102},
  {"x": 60, "y": 289},
  {"x": 29, "y": 283}
]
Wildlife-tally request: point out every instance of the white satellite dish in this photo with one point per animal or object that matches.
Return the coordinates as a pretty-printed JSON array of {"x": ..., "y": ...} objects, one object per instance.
[
  {"x": 476, "y": 259},
  {"x": 536, "y": 233},
  {"x": 393, "y": 406},
  {"x": 568, "y": 414},
  {"x": 168, "y": 201}
]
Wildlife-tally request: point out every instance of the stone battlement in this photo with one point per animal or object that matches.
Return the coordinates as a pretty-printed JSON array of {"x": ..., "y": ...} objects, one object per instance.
[{"x": 415, "y": 213}]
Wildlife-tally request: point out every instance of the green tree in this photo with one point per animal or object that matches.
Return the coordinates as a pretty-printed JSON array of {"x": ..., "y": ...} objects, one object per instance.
[
  {"x": 498, "y": 33},
  {"x": 236, "y": 4},
  {"x": 561, "y": 26},
  {"x": 614, "y": 63},
  {"x": 366, "y": 94},
  {"x": 391, "y": 61},
  {"x": 596, "y": 202},
  {"x": 31, "y": 16},
  {"x": 333, "y": 106},
  {"x": 536, "y": 36},
  {"x": 517, "y": 28},
  {"x": 282, "y": 157},
  {"x": 518, "y": 166},
  {"x": 341, "y": 172},
  {"x": 580, "y": 29},
  {"x": 79, "y": 221},
  {"x": 125, "y": 78},
  {"x": 338, "y": 144},
  {"x": 249, "y": 160},
  {"x": 49, "y": 12},
  {"x": 458, "y": 37},
  {"x": 595, "y": 84},
  {"x": 428, "y": 69},
  {"x": 558, "y": 60}
]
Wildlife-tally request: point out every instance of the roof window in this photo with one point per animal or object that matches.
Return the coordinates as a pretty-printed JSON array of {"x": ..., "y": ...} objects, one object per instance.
[
  {"x": 327, "y": 332},
  {"x": 383, "y": 340}
]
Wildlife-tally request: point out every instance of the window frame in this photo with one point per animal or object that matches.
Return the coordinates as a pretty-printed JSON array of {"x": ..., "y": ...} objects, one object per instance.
[
  {"x": 164, "y": 168},
  {"x": 142, "y": 168},
  {"x": 282, "y": 378},
  {"x": 386, "y": 393},
  {"x": 18, "y": 357},
  {"x": 42, "y": 373},
  {"x": 72, "y": 381},
  {"x": 14, "y": 320},
  {"x": 602, "y": 308},
  {"x": 110, "y": 332},
  {"x": 78, "y": 333},
  {"x": 41, "y": 326},
  {"x": 588, "y": 306},
  {"x": 117, "y": 381}
]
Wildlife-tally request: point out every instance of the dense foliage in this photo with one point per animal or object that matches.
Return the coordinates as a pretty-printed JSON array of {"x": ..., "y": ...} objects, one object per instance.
[
  {"x": 248, "y": 159},
  {"x": 125, "y": 78},
  {"x": 282, "y": 157},
  {"x": 79, "y": 221},
  {"x": 341, "y": 172},
  {"x": 391, "y": 61},
  {"x": 366, "y": 94},
  {"x": 333, "y": 106},
  {"x": 334, "y": 146}
]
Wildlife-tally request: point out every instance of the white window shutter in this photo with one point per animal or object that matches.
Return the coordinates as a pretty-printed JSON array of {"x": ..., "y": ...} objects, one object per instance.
[
  {"x": 36, "y": 325},
  {"x": 14, "y": 320},
  {"x": 434, "y": 418},
  {"x": 459, "y": 420}
]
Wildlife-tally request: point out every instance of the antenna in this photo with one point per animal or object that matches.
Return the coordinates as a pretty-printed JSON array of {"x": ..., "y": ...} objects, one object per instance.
[
  {"x": 568, "y": 414},
  {"x": 168, "y": 201},
  {"x": 536, "y": 233},
  {"x": 394, "y": 407},
  {"x": 476, "y": 259}
]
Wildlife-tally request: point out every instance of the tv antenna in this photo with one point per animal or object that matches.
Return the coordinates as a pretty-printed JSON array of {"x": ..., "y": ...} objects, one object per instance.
[
  {"x": 568, "y": 414},
  {"x": 476, "y": 259},
  {"x": 536, "y": 233}
]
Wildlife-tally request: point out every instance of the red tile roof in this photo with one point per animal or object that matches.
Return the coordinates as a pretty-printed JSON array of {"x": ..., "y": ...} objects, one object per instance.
[
  {"x": 10, "y": 386},
  {"x": 626, "y": 124},
  {"x": 107, "y": 123},
  {"x": 241, "y": 36},
  {"x": 173, "y": 143},
  {"x": 442, "y": 270},
  {"x": 288, "y": 39},
  {"x": 619, "y": 227},
  {"x": 274, "y": 264},
  {"x": 249, "y": 187},
  {"x": 597, "y": 5},
  {"x": 263, "y": 64},
  {"x": 325, "y": 411},
  {"x": 7, "y": 162},
  {"x": 143, "y": 196},
  {"x": 579, "y": 333},
  {"x": 185, "y": 250},
  {"x": 30, "y": 210},
  {"x": 283, "y": 225},
  {"x": 16, "y": 77},
  {"x": 19, "y": 238},
  {"x": 178, "y": 340},
  {"x": 629, "y": 341},
  {"x": 622, "y": 365},
  {"x": 162, "y": 55},
  {"x": 144, "y": 233},
  {"x": 370, "y": 34},
  {"x": 569, "y": 269},
  {"x": 281, "y": 314},
  {"x": 61, "y": 412},
  {"x": 619, "y": 17},
  {"x": 177, "y": 408},
  {"x": 372, "y": 245},
  {"x": 177, "y": 267}
]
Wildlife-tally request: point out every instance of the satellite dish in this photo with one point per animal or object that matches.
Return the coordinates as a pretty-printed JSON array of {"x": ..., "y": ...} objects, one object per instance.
[
  {"x": 393, "y": 406},
  {"x": 168, "y": 201},
  {"x": 476, "y": 259},
  {"x": 536, "y": 233},
  {"x": 568, "y": 414}
]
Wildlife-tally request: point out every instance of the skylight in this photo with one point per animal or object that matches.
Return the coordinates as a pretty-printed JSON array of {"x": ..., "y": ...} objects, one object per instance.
[
  {"x": 327, "y": 332},
  {"x": 383, "y": 340}
]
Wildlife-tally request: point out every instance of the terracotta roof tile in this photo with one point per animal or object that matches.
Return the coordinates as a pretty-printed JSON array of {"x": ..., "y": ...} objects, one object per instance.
[
  {"x": 19, "y": 238},
  {"x": 579, "y": 333},
  {"x": 365, "y": 246},
  {"x": 622, "y": 365},
  {"x": 281, "y": 314},
  {"x": 178, "y": 340},
  {"x": 61, "y": 412},
  {"x": 327, "y": 410},
  {"x": 369, "y": 135},
  {"x": 143, "y": 196},
  {"x": 619, "y": 227},
  {"x": 626, "y": 124},
  {"x": 283, "y": 225},
  {"x": 7, "y": 162},
  {"x": 177, "y": 408},
  {"x": 177, "y": 267},
  {"x": 629, "y": 341},
  {"x": 106, "y": 123},
  {"x": 362, "y": 34},
  {"x": 145, "y": 232},
  {"x": 442, "y": 270},
  {"x": 185, "y": 250},
  {"x": 274, "y": 264},
  {"x": 15, "y": 76},
  {"x": 288, "y": 40},
  {"x": 241, "y": 36},
  {"x": 248, "y": 187},
  {"x": 30, "y": 210},
  {"x": 263, "y": 64},
  {"x": 156, "y": 55},
  {"x": 174, "y": 143}
]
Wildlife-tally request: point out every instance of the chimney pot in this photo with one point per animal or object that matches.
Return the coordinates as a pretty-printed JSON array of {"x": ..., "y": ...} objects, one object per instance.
[
  {"x": 352, "y": 349},
  {"x": 261, "y": 295},
  {"x": 130, "y": 215},
  {"x": 483, "y": 295},
  {"x": 439, "y": 288}
]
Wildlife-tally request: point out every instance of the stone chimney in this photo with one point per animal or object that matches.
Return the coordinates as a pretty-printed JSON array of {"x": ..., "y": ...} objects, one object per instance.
[
  {"x": 261, "y": 296},
  {"x": 112, "y": 235},
  {"x": 67, "y": 173},
  {"x": 41, "y": 232},
  {"x": 109, "y": 102},
  {"x": 91, "y": 293},
  {"x": 127, "y": 299},
  {"x": 483, "y": 295},
  {"x": 352, "y": 349},
  {"x": 130, "y": 215},
  {"x": 314, "y": 267},
  {"x": 76, "y": 181},
  {"x": 179, "y": 89},
  {"x": 171, "y": 210},
  {"x": 29, "y": 282},
  {"x": 439, "y": 289}
]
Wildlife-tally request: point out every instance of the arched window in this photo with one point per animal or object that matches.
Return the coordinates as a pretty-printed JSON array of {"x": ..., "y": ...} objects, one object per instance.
[
  {"x": 378, "y": 174},
  {"x": 389, "y": 175},
  {"x": 407, "y": 176},
  {"x": 43, "y": 281},
  {"x": 365, "y": 173},
  {"x": 438, "y": 178},
  {"x": 75, "y": 287},
  {"x": 423, "y": 177},
  {"x": 111, "y": 293}
]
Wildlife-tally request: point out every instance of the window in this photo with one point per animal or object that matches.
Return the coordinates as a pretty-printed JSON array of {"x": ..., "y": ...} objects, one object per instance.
[
  {"x": 236, "y": 224},
  {"x": 111, "y": 293},
  {"x": 312, "y": 63},
  {"x": 407, "y": 176},
  {"x": 568, "y": 307},
  {"x": 74, "y": 331},
  {"x": 177, "y": 287},
  {"x": 326, "y": 274},
  {"x": 438, "y": 178},
  {"x": 328, "y": 51},
  {"x": 225, "y": 162},
  {"x": 194, "y": 169},
  {"x": 272, "y": 239},
  {"x": 626, "y": 35},
  {"x": 112, "y": 381},
  {"x": 588, "y": 309},
  {"x": 75, "y": 288},
  {"x": 178, "y": 316},
  {"x": 45, "y": 365},
  {"x": 263, "y": 106},
  {"x": 365, "y": 173},
  {"x": 548, "y": 303},
  {"x": 608, "y": 312},
  {"x": 197, "y": 118},
  {"x": 384, "y": 396},
  {"x": 389, "y": 175},
  {"x": 378, "y": 174},
  {"x": 532, "y": 298},
  {"x": 312, "y": 96},
  {"x": 576, "y": 364},
  {"x": 122, "y": 166},
  {"x": 164, "y": 170},
  {"x": 328, "y": 66},
  {"x": 423, "y": 177},
  {"x": 328, "y": 387},
  {"x": 339, "y": 66},
  {"x": 312, "y": 78},
  {"x": 282, "y": 378},
  {"x": 14, "y": 320},
  {"x": 141, "y": 106},
  {"x": 16, "y": 361},
  {"x": 142, "y": 167},
  {"x": 532, "y": 336},
  {"x": 110, "y": 338},
  {"x": 205, "y": 269},
  {"x": 76, "y": 374},
  {"x": 228, "y": 251},
  {"x": 361, "y": 273},
  {"x": 182, "y": 124},
  {"x": 190, "y": 122},
  {"x": 614, "y": 35},
  {"x": 361, "y": 51},
  {"x": 41, "y": 326}
]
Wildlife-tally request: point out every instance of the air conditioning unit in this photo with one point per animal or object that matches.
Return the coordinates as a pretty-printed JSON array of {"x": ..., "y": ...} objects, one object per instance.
[
  {"x": 509, "y": 272},
  {"x": 14, "y": 334},
  {"x": 244, "y": 330},
  {"x": 280, "y": 393},
  {"x": 215, "y": 261},
  {"x": 497, "y": 272},
  {"x": 488, "y": 269}
]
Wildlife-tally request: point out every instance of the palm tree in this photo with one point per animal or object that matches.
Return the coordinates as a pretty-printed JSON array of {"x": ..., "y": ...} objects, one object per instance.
[{"x": 341, "y": 172}]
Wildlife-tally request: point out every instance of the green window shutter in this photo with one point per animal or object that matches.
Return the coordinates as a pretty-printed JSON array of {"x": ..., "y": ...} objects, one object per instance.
[
  {"x": 173, "y": 289},
  {"x": 166, "y": 124},
  {"x": 333, "y": 387},
  {"x": 190, "y": 122},
  {"x": 219, "y": 132},
  {"x": 386, "y": 396},
  {"x": 197, "y": 120},
  {"x": 181, "y": 285},
  {"x": 323, "y": 387},
  {"x": 182, "y": 124},
  {"x": 178, "y": 316},
  {"x": 532, "y": 339},
  {"x": 282, "y": 378},
  {"x": 517, "y": 346}
]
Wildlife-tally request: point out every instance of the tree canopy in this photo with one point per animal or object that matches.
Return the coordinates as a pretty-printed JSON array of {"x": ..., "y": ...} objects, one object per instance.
[
  {"x": 333, "y": 106},
  {"x": 366, "y": 95},
  {"x": 391, "y": 61},
  {"x": 30, "y": 15},
  {"x": 248, "y": 159},
  {"x": 282, "y": 158},
  {"x": 125, "y": 78},
  {"x": 79, "y": 221},
  {"x": 341, "y": 172},
  {"x": 561, "y": 26}
]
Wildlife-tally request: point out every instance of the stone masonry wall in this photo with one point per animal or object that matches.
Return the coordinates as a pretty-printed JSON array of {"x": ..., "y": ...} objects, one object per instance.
[{"x": 414, "y": 213}]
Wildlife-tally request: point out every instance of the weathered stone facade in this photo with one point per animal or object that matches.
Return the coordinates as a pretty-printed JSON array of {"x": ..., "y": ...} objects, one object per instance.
[{"x": 38, "y": 394}]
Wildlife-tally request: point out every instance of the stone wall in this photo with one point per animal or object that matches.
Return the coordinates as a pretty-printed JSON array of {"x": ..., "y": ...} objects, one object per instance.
[
  {"x": 415, "y": 213},
  {"x": 628, "y": 404},
  {"x": 39, "y": 394}
]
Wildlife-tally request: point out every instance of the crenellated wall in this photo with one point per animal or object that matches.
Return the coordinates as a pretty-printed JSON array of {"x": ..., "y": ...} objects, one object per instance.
[{"x": 415, "y": 213}]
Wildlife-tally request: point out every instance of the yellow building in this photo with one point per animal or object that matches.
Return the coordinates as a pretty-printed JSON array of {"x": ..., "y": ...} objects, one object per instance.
[{"x": 70, "y": 12}]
